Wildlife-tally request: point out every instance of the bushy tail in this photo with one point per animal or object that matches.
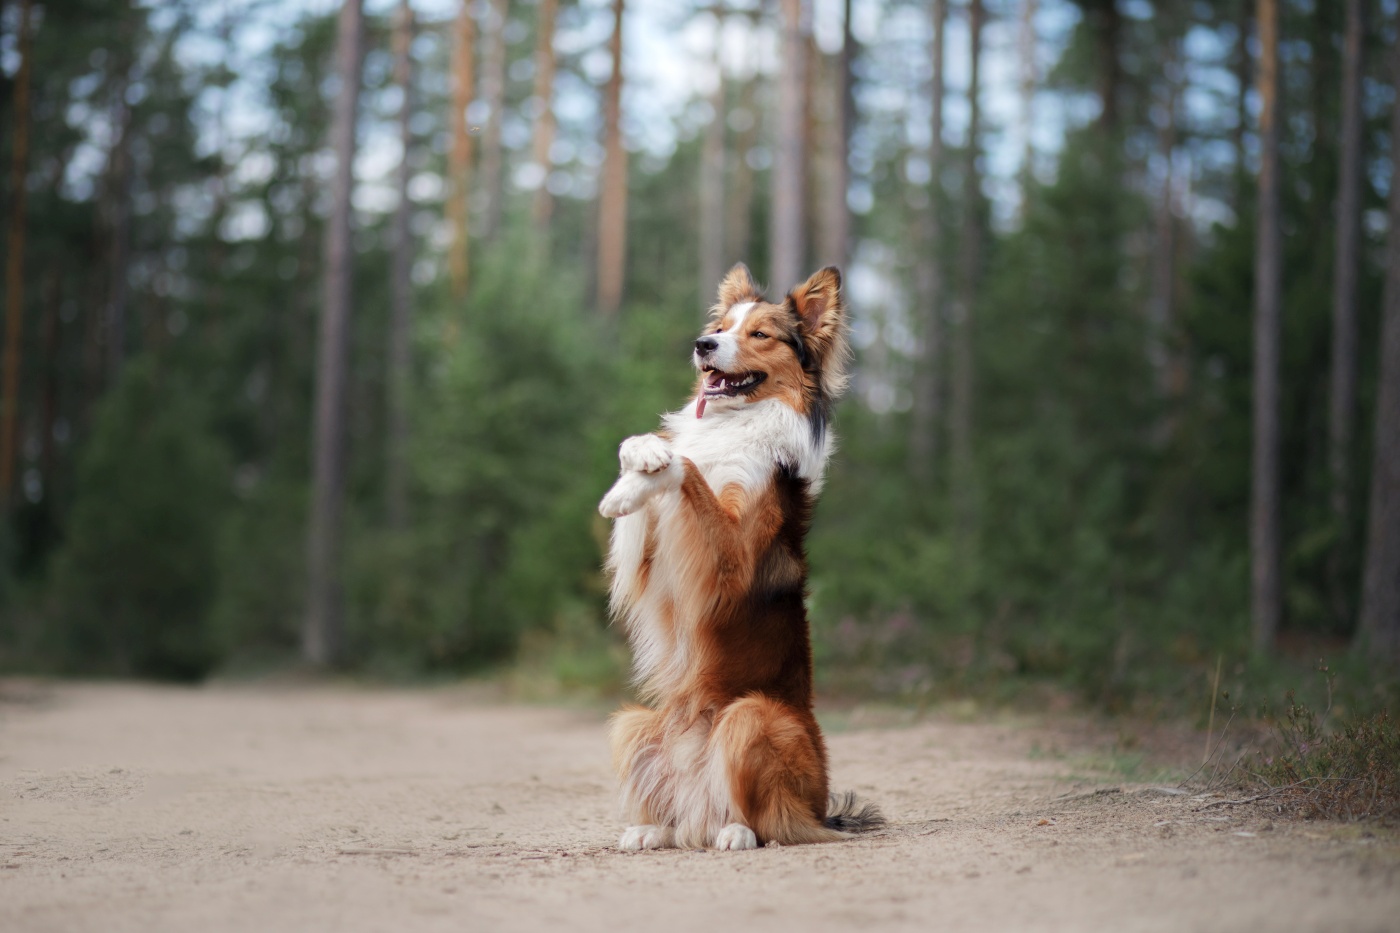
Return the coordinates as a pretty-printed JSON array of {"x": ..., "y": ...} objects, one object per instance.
[{"x": 845, "y": 813}]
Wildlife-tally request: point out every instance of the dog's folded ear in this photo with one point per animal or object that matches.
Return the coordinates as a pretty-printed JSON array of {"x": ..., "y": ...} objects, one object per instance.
[{"x": 738, "y": 286}]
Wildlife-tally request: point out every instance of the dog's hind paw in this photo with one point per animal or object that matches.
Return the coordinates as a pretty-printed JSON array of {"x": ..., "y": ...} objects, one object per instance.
[
  {"x": 734, "y": 837},
  {"x": 645, "y": 453},
  {"x": 637, "y": 838}
]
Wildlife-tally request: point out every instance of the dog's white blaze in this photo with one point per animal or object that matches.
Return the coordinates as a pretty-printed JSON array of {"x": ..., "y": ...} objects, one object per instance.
[
  {"x": 740, "y": 311},
  {"x": 728, "y": 350}
]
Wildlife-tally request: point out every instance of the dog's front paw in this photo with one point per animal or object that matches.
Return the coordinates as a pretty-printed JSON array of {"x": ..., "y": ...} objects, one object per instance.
[
  {"x": 645, "y": 453},
  {"x": 627, "y": 495},
  {"x": 735, "y": 837},
  {"x": 637, "y": 838}
]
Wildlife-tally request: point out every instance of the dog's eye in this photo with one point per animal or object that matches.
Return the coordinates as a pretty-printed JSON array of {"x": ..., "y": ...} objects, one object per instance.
[{"x": 759, "y": 334}]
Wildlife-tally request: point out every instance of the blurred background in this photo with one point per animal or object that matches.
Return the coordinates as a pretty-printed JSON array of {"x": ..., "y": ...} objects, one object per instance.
[{"x": 323, "y": 324}]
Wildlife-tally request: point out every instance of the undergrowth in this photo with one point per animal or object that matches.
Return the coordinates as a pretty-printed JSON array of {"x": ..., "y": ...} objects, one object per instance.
[{"x": 1350, "y": 771}]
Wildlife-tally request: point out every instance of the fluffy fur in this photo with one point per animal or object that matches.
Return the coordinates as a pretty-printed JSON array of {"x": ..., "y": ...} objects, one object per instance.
[{"x": 709, "y": 576}]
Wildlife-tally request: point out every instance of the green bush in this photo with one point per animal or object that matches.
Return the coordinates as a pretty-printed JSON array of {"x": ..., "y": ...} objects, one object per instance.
[{"x": 136, "y": 576}]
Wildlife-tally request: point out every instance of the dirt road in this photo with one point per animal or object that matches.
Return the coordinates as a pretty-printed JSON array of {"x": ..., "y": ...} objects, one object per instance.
[{"x": 302, "y": 809}]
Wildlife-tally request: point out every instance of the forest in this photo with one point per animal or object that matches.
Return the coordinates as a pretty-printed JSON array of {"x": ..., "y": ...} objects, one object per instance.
[{"x": 323, "y": 321}]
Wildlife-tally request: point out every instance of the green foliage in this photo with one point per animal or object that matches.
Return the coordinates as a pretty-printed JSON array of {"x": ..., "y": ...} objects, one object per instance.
[
  {"x": 134, "y": 581},
  {"x": 1107, "y": 547},
  {"x": 505, "y": 476}
]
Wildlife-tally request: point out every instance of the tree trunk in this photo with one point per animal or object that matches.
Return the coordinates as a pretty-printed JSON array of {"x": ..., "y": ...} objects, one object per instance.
[
  {"x": 48, "y": 457},
  {"x": 14, "y": 261},
  {"x": 1379, "y": 627},
  {"x": 928, "y": 382},
  {"x": 322, "y": 636},
  {"x": 493, "y": 90},
  {"x": 786, "y": 242},
  {"x": 612, "y": 194},
  {"x": 542, "y": 207},
  {"x": 969, "y": 263},
  {"x": 401, "y": 286},
  {"x": 1266, "y": 598},
  {"x": 1030, "y": 75},
  {"x": 459, "y": 175},
  {"x": 1242, "y": 78},
  {"x": 1161, "y": 309},
  {"x": 1108, "y": 33},
  {"x": 739, "y": 223},
  {"x": 1342, "y": 398},
  {"x": 120, "y": 255},
  {"x": 838, "y": 213},
  {"x": 711, "y": 217}
]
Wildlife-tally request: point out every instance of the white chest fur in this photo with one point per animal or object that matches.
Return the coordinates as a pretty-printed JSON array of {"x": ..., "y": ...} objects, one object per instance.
[{"x": 745, "y": 444}]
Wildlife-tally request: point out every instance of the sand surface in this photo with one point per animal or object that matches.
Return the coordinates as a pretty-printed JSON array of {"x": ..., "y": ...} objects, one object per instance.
[{"x": 130, "y": 807}]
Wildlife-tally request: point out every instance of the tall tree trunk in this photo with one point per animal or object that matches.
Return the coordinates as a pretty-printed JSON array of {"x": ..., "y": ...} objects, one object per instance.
[
  {"x": 969, "y": 264},
  {"x": 48, "y": 417},
  {"x": 712, "y": 184},
  {"x": 542, "y": 207},
  {"x": 120, "y": 254},
  {"x": 739, "y": 222},
  {"x": 1108, "y": 33},
  {"x": 1030, "y": 76},
  {"x": 612, "y": 194},
  {"x": 928, "y": 377},
  {"x": 14, "y": 261},
  {"x": 493, "y": 91},
  {"x": 1264, "y": 522},
  {"x": 321, "y": 639},
  {"x": 1379, "y": 625},
  {"x": 459, "y": 175},
  {"x": 1242, "y": 62},
  {"x": 837, "y": 226},
  {"x": 401, "y": 285},
  {"x": 786, "y": 241},
  {"x": 1161, "y": 310},
  {"x": 1342, "y": 398}
]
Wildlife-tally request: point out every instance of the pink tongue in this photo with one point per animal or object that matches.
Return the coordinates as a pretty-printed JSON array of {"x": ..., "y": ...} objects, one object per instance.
[{"x": 700, "y": 407}]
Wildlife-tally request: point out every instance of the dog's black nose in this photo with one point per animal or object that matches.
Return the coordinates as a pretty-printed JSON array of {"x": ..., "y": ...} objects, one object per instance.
[{"x": 706, "y": 345}]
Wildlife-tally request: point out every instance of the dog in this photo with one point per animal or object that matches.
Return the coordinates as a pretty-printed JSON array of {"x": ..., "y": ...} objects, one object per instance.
[{"x": 708, "y": 577}]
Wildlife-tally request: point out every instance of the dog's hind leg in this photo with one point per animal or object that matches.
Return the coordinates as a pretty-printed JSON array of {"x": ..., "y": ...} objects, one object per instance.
[
  {"x": 637, "y": 736},
  {"x": 776, "y": 767}
]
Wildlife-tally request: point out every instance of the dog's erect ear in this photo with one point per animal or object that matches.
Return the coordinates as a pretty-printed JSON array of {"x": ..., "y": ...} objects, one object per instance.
[
  {"x": 738, "y": 286},
  {"x": 821, "y": 312},
  {"x": 817, "y": 303}
]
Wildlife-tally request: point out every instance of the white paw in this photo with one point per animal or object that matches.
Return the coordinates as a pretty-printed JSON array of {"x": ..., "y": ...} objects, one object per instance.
[
  {"x": 645, "y": 453},
  {"x": 734, "y": 837},
  {"x": 628, "y": 494},
  {"x": 637, "y": 838}
]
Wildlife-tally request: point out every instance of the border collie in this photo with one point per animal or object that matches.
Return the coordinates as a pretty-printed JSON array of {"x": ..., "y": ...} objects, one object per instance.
[{"x": 708, "y": 578}]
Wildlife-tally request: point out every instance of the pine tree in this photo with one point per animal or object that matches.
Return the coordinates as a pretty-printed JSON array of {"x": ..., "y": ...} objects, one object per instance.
[
  {"x": 323, "y": 635},
  {"x": 1265, "y": 562}
]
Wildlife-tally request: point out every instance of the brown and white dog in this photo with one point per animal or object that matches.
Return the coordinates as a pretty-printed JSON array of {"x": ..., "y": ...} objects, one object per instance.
[{"x": 709, "y": 575}]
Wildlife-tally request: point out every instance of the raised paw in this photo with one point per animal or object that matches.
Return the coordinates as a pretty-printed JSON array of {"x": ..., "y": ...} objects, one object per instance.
[
  {"x": 637, "y": 838},
  {"x": 735, "y": 837},
  {"x": 645, "y": 453},
  {"x": 628, "y": 494}
]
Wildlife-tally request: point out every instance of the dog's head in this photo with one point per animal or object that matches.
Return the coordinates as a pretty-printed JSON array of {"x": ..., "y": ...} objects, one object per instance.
[{"x": 754, "y": 349}]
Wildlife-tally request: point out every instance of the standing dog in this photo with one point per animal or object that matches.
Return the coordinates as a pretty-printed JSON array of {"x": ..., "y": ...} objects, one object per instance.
[{"x": 709, "y": 575}]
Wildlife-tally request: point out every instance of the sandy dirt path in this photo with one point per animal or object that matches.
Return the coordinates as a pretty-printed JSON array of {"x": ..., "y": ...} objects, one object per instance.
[{"x": 299, "y": 809}]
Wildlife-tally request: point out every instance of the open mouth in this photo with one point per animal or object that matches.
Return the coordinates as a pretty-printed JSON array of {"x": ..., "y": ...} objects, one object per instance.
[
  {"x": 726, "y": 385},
  {"x": 720, "y": 384}
]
